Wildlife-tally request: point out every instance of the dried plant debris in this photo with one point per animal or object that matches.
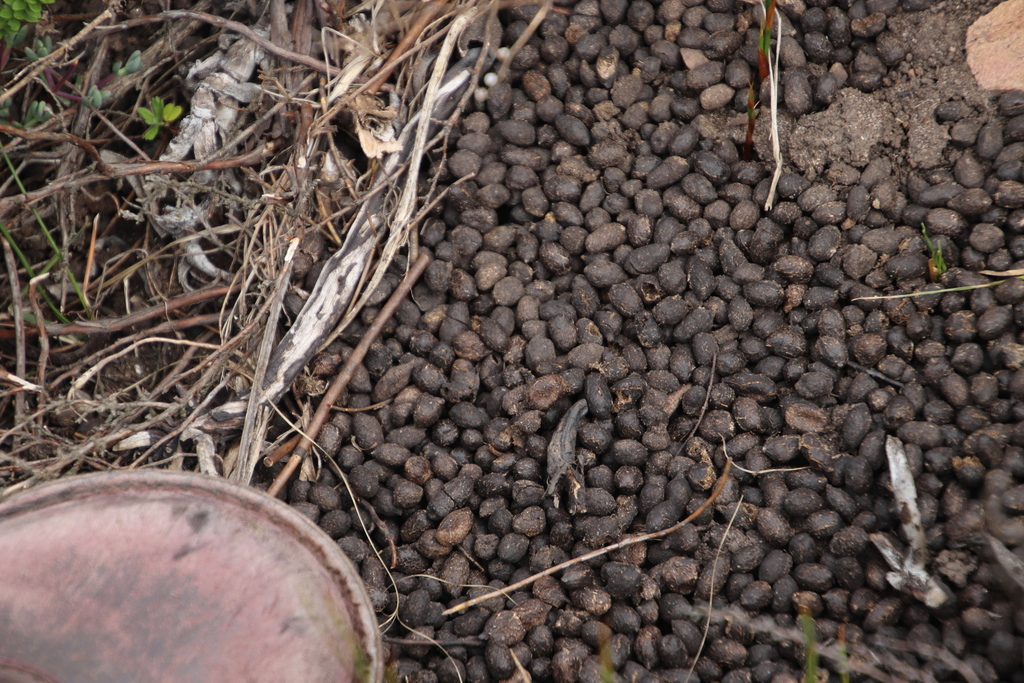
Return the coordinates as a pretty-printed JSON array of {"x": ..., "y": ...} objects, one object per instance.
[
  {"x": 1008, "y": 529},
  {"x": 909, "y": 572},
  {"x": 221, "y": 89},
  {"x": 562, "y": 448},
  {"x": 334, "y": 301},
  {"x": 375, "y": 126},
  {"x": 1008, "y": 561}
]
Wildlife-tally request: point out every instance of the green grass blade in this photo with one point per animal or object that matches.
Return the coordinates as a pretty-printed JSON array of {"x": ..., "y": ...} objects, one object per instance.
[
  {"x": 844, "y": 664},
  {"x": 811, "y": 648},
  {"x": 53, "y": 245},
  {"x": 17, "y": 250},
  {"x": 934, "y": 252},
  {"x": 31, "y": 273}
]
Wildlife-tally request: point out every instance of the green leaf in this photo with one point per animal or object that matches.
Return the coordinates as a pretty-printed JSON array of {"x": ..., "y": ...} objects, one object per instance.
[
  {"x": 95, "y": 98},
  {"x": 6, "y": 12},
  {"x": 39, "y": 49},
  {"x": 19, "y": 37},
  {"x": 171, "y": 112},
  {"x": 35, "y": 114},
  {"x": 151, "y": 132},
  {"x": 134, "y": 62},
  {"x": 148, "y": 116},
  {"x": 19, "y": 4},
  {"x": 158, "y": 108}
]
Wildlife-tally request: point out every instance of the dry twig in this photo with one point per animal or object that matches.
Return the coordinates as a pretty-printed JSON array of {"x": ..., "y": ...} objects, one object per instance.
[
  {"x": 85, "y": 377},
  {"x": 707, "y": 402},
  {"x": 711, "y": 588},
  {"x": 345, "y": 376},
  {"x": 227, "y": 25},
  {"x": 124, "y": 170},
  {"x": 162, "y": 328},
  {"x": 44, "y": 342},
  {"x": 624, "y": 543},
  {"x": 859, "y": 658},
  {"x": 19, "y": 329},
  {"x": 109, "y": 325},
  {"x": 257, "y": 417}
]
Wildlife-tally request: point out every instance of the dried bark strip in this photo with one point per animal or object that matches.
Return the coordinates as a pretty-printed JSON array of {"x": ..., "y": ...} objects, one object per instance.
[
  {"x": 909, "y": 574},
  {"x": 342, "y": 273},
  {"x": 257, "y": 418},
  {"x": 345, "y": 376}
]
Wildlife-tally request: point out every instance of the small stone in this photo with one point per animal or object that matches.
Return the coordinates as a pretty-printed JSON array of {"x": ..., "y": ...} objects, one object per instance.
[{"x": 716, "y": 97}]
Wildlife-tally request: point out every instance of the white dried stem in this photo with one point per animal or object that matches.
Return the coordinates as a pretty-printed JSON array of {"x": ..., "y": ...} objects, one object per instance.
[
  {"x": 905, "y": 492},
  {"x": 711, "y": 588},
  {"x": 419, "y": 125},
  {"x": 910, "y": 573},
  {"x": 257, "y": 418},
  {"x": 205, "y": 449}
]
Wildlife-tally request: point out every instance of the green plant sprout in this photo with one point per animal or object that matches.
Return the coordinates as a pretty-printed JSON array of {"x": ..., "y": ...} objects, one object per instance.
[
  {"x": 58, "y": 258},
  {"x": 936, "y": 264},
  {"x": 16, "y": 39},
  {"x": 133, "y": 65},
  {"x": 607, "y": 668},
  {"x": 37, "y": 112},
  {"x": 844, "y": 665},
  {"x": 15, "y": 13},
  {"x": 39, "y": 49},
  {"x": 764, "y": 38},
  {"x": 11, "y": 41},
  {"x": 161, "y": 114},
  {"x": 96, "y": 98},
  {"x": 810, "y": 647},
  {"x": 764, "y": 43}
]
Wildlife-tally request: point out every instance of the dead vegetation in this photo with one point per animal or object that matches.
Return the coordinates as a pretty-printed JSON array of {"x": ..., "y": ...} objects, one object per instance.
[{"x": 146, "y": 319}]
